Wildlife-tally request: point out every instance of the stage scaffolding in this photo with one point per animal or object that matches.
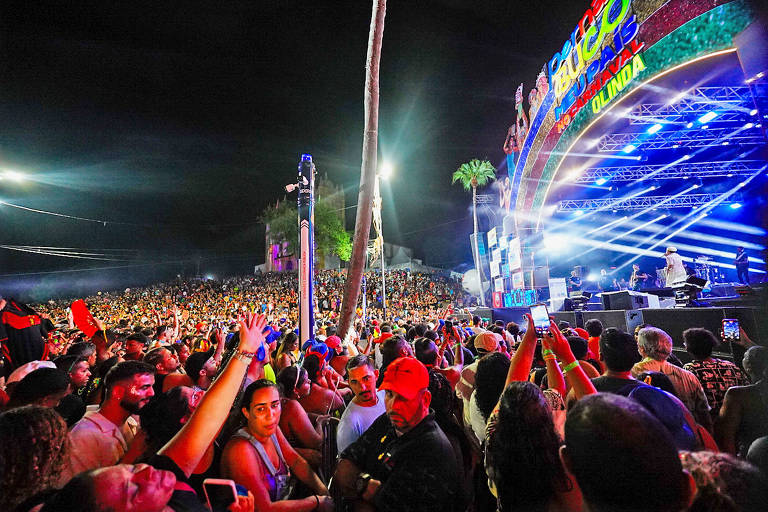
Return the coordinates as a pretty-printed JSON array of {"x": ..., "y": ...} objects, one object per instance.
[{"x": 645, "y": 202}]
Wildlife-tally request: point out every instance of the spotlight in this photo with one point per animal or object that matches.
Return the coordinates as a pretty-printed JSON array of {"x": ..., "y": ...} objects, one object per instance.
[
  {"x": 686, "y": 157},
  {"x": 13, "y": 175},
  {"x": 725, "y": 143},
  {"x": 749, "y": 125},
  {"x": 629, "y": 148},
  {"x": 601, "y": 181},
  {"x": 704, "y": 127},
  {"x": 734, "y": 206},
  {"x": 578, "y": 213},
  {"x": 593, "y": 277},
  {"x": 655, "y": 128},
  {"x": 675, "y": 146},
  {"x": 689, "y": 124},
  {"x": 753, "y": 112},
  {"x": 707, "y": 117},
  {"x": 696, "y": 185},
  {"x": 729, "y": 175}
]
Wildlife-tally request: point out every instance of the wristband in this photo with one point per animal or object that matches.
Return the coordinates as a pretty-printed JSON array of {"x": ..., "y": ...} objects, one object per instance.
[
  {"x": 317, "y": 502},
  {"x": 546, "y": 352},
  {"x": 245, "y": 357},
  {"x": 570, "y": 366},
  {"x": 549, "y": 358}
]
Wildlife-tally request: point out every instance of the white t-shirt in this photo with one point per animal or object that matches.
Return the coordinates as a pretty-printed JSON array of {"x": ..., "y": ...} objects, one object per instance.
[
  {"x": 356, "y": 420},
  {"x": 676, "y": 272}
]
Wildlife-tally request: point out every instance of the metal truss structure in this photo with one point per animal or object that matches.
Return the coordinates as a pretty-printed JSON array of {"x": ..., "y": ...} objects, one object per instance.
[
  {"x": 732, "y": 103},
  {"x": 643, "y": 202},
  {"x": 622, "y": 173},
  {"x": 698, "y": 138}
]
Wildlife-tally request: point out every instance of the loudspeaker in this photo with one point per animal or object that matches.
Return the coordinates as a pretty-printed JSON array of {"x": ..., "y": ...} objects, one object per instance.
[{"x": 625, "y": 299}]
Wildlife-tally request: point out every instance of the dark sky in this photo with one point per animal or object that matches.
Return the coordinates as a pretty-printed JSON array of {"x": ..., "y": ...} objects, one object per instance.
[{"x": 184, "y": 119}]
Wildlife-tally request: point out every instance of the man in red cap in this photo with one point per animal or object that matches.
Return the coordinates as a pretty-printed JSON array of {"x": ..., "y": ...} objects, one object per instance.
[{"x": 403, "y": 461}]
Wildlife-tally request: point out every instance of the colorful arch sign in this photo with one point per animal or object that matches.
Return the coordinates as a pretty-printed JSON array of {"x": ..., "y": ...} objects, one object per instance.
[{"x": 615, "y": 47}]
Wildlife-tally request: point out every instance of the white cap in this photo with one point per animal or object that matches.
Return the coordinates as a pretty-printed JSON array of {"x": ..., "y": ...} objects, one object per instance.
[
  {"x": 22, "y": 371},
  {"x": 671, "y": 249}
]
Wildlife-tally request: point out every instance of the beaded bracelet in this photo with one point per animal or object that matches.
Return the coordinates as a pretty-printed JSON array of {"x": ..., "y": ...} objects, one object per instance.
[
  {"x": 570, "y": 366},
  {"x": 547, "y": 352}
]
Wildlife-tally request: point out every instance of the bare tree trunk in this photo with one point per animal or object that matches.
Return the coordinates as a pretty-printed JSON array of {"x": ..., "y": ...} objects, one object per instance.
[{"x": 367, "y": 170}]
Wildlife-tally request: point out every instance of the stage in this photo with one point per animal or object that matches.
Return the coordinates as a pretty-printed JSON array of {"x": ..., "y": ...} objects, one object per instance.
[{"x": 672, "y": 320}]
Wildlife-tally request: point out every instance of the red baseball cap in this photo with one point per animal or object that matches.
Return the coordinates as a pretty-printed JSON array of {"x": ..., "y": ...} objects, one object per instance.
[
  {"x": 333, "y": 342},
  {"x": 406, "y": 376},
  {"x": 384, "y": 337}
]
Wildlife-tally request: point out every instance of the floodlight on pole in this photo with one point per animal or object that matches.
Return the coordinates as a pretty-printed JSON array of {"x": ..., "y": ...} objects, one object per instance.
[{"x": 385, "y": 170}]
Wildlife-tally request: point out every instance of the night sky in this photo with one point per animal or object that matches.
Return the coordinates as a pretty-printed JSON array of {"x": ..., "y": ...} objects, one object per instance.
[{"x": 182, "y": 120}]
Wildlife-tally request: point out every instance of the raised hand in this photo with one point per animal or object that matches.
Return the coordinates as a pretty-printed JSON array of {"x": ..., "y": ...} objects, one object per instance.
[
  {"x": 530, "y": 331},
  {"x": 251, "y": 332},
  {"x": 557, "y": 343}
]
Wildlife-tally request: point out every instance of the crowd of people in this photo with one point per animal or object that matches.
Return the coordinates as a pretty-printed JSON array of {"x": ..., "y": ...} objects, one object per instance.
[{"x": 429, "y": 408}]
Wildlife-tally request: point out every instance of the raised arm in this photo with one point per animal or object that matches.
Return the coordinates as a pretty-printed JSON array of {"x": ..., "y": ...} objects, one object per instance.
[
  {"x": 189, "y": 445},
  {"x": 575, "y": 375},
  {"x": 520, "y": 365}
]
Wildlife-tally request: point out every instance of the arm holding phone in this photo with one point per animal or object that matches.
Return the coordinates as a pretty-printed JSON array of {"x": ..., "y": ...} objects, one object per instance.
[{"x": 574, "y": 374}]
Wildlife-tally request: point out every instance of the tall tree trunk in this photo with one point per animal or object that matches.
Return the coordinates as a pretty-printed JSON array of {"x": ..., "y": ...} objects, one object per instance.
[
  {"x": 475, "y": 251},
  {"x": 367, "y": 170},
  {"x": 474, "y": 208}
]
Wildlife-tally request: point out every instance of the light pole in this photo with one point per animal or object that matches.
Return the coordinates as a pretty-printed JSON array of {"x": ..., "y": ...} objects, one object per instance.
[{"x": 385, "y": 171}]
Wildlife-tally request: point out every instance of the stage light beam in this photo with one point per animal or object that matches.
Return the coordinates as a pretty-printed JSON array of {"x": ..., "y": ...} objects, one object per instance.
[
  {"x": 707, "y": 117},
  {"x": 629, "y": 148}
]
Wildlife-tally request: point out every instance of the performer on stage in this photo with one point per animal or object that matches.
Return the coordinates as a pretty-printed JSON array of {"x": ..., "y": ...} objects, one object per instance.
[
  {"x": 742, "y": 265},
  {"x": 675, "y": 269},
  {"x": 638, "y": 277},
  {"x": 607, "y": 283},
  {"x": 574, "y": 282}
]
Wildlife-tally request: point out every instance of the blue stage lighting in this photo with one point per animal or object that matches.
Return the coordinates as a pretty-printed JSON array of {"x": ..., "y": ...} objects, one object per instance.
[
  {"x": 749, "y": 125},
  {"x": 707, "y": 117},
  {"x": 735, "y": 206},
  {"x": 753, "y": 112},
  {"x": 704, "y": 127},
  {"x": 689, "y": 124},
  {"x": 629, "y": 148},
  {"x": 578, "y": 213},
  {"x": 601, "y": 181},
  {"x": 655, "y": 128}
]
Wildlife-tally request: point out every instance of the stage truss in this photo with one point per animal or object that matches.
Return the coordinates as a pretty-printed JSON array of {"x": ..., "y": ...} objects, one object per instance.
[
  {"x": 624, "y": 173},
  {"x": 645, "y": 203},
  {"x": 681, "y": 138},
  {"x": 732, "y": 103}
]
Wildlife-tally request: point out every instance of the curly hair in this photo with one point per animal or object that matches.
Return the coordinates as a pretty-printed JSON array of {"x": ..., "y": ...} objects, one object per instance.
[
  {"x": 522, "y": 450},
  {"x": 34, "y": 452}
]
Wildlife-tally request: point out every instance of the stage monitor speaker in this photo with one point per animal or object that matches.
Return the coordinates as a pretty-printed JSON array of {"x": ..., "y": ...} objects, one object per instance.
[
  {"x": 615, "y": 318},
  {"x": 625, "y": 299},
  {"x": 564, "y": 316}
]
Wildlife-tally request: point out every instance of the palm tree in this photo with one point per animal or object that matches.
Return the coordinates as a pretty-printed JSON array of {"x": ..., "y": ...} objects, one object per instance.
[
  {"x": 367, "y": 170},
  {"x": 473, "y": 174}
]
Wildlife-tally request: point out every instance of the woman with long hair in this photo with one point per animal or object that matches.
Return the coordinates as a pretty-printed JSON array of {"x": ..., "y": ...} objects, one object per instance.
[
  {"x": 521, "y": 457},
  {"x": 260, "y": 458},
  {"x": 295, "y": 423},
  {"x": 320, "y": 401},
  {"x": 288, "y": 351},
  {"x": 34, "y": 451}
]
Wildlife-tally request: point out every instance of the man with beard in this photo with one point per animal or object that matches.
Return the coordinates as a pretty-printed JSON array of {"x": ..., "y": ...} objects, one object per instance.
[
  {"x": 403, "y": 462},
  {"x": 365, "y": 407},
  {"x": 102, "y": 437}
]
